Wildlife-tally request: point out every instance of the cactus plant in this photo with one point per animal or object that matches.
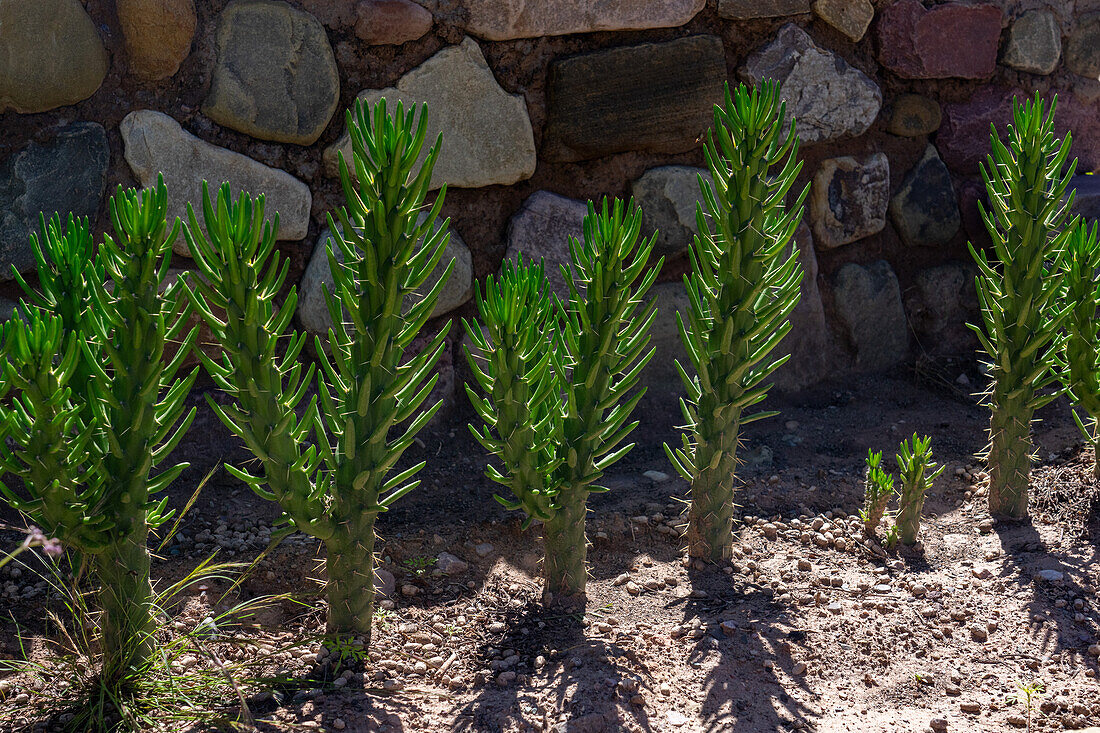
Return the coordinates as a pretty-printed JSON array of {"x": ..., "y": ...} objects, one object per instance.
[
  {"x": 917, "y": 474},
  {"x": 1079, "y": 350},
  {"x": 878, "y": 487},
  {"x": 366, "y": 389},
  {"x": 105, "y": 435},
  {"x": 743, "y": 286},
  {"x": 557, "y": 381},
  {"x": 1019, "y": 291}
]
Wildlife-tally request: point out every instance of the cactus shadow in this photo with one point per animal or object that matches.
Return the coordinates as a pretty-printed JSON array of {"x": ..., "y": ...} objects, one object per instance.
[
  {"x": 579, "y": 663},
  {"x": 1028, "y": 558},
  {"x": 746, "y": 639}
]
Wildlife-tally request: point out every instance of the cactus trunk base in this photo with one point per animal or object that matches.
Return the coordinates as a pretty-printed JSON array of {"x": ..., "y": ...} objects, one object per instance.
[
  {"x": 350, "y": 588},
  {"x": 126, "y": 600},
  {"x": 1009, "y": 462},
  {"x": 565, "y": 567},
  {"x": 1096, "y": 458},
  {"x": 710, "y": 518}
]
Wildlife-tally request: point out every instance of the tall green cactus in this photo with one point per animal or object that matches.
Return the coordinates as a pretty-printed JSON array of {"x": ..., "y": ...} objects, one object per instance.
[
  {"x": 1019, "y": 291},
  {"x": 878, "y": 487},
  {"x": 366, "y": 388},
  {"x": 743, "y": 286},
  {"x": 1079, "y": 349},
  {"x": 917, "y": 474},
  {"x": 104, "y": 434},
  {"x": 557, "y": 381}
]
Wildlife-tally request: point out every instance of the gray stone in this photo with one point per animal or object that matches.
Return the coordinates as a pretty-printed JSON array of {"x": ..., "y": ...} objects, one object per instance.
[
  {"x": 925, "y": 210},
  {"x": 449, "y": 564},
  {"x": 50, "y": 55},
  {"x": 914, "y": 115},
  {"x": 156, "y": 144},
  {"x": 541, "y": 229},
  {"x": 384, "y": 583},
  {"x": 668, "y": 197},
  {"x": 275, "y": 77},
  {"x": 850, "y": 17},
  {"x": 749, "y": 9},
  {"x": 1034, "y": 43},
  {"x": 390, "y": 22},
  {"x": 313, "y": 313},
  {"x": 653, "y": 97},
  {"x": 828, "y": 98},
  {"x": 939, "y": 307},
  {"x": 66, "y": 175},
  {"x": 868, "y": 303},
  {"x": 487, "y": 136},
  {"x": 502, "y": 20},
  {"x": 660, "y": 377},
  {"x": 848, "y": 199},
  {"x": 1083, "y": 47}
]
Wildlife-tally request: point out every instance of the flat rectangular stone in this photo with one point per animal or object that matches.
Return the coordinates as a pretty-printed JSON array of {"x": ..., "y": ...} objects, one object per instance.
[
  {"x": 654, "y": 97},
  {"x": 749, "y": 9}
]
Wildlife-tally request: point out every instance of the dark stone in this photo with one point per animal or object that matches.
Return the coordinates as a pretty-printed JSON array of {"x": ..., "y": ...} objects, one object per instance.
[
  {"x": 868, "y": 302},
  {"x": 654, "y": 97},
  {"x": 749, "y": 9},
  {"x": 1083, "y": 47},
  {"x": 914, "y": 115},
  {"x": 68, "y": 174},
  {"x": 939, "y": 306},
  {"x": 971, "y": 194},
  {"x": 925, "y": 210},
  {"x": 949, "y": 40},
  {"x": 808, "y": 338},
  {"x": 1087, "y": 198}
]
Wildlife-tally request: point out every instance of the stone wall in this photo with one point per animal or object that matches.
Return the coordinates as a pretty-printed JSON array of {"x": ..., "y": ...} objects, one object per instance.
[{"x": 543, "y": 105}]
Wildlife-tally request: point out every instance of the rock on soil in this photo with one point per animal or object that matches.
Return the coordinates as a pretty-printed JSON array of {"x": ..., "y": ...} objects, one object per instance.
[
  {"x": 828, "y": 98},
  {"x": 155, "y": 143},
  {"x": 158, "y": 35},
  {"x": 52, "y": 55},
  {"x": 313, "y": 313},
  {"x": 653, "y": 97},
  {"x": 540, "y": 230},
  {"x": 275, "y": 76},
  {"x": 487, "y": 135},
  {"x": 925, "y": 209},
  {"x": 67, "y": 174},
  {"x": 502, "y": 20}
]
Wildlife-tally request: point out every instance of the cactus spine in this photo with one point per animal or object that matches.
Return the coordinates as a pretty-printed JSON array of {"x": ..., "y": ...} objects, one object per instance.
[
  {"x": 1018, "y": 292},
  {"x": 743, "y": 286}
]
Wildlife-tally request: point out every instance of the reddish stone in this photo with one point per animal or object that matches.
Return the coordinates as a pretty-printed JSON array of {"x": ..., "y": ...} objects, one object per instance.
[
  {"x": 963, "y": 139},
  {"x": 951, "y": 40},
  {"x": 391, "y": 22}
]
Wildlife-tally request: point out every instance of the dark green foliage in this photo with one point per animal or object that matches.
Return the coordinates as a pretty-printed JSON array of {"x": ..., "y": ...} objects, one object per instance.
[
  {"x": 745, "y": 281},
  {"x": 1019, "y": 290},
  {"x": 558, "y": 380},
  {"x": 1079, "y": 350}
]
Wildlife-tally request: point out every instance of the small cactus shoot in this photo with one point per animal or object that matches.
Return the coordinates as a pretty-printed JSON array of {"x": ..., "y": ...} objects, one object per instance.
[
  {"x": 1019, "y": 291},
  {"x": 744, "y": 283},
  {"x": 1080, "y": 344},
  {"x": 917, "y": 474},
  {"x": 878, "y": 488}
]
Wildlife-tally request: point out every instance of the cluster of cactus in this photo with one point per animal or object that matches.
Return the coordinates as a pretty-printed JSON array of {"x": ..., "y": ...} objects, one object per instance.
[
  {"x": 556, "y": 378},
  {"x": 95, "y": 406},
  {"x": 1020, "y": 293},
  {"x": 1079, "y": 348},
  {"x": 917, "y": 472},
  {"x": 878, "y": 488},
  {"x": 744, "y": 283},
  {"x": 331, "y": 466}
]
